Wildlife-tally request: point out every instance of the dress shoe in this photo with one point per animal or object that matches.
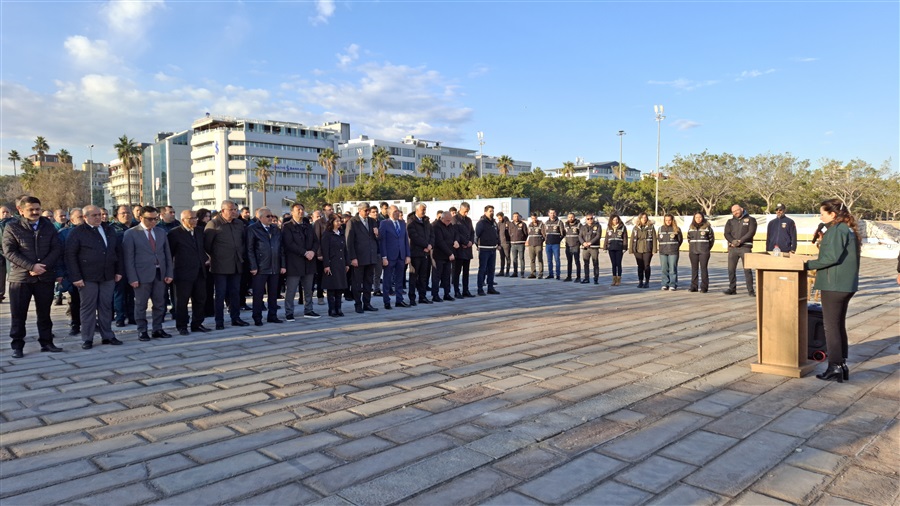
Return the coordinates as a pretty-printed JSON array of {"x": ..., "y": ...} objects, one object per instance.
[
  {"x": 74, "y": 330},
  {"x": 274, "y": 320},
  {"x": 834, "y": 373},
  {"x": 532, "y": 276},
  {"x": 846, "y": 371},
  {"x": 17, "y": 354},
  {"x": 258, "y": 323},
  {"x": 457, "y": 295},
  {"x": 87, "y": 345},
  {"x": 692, "y": 289},
  {"x": 540, "y": 276},
  {"x": 340, "y": 313},
  {"x": 111, "y": 340},
  {"x": 514, "y": 275},
  {"x": 387, "y": 305},
  {"x": 704, "y": 290},
  {"x": 200, "y": 328},
  {"x": 359, "y": 309},
  {"x": 448, "y": 298},
  {"x": 585, "y": 281},
  {"x": 730, "y": 291},
  {"x": 424, "y": 301},
  {"x": 412, "y": 302},
  {"x": 183, "y": 331},
  {"x": 577, "y": 280},
  {"x": 120, "y": 324},
  {"x": 51, "y": 348},
  {"x": 493, "y": 292},
  {"x": 220, "y": 326},
  {"x": 401, "y": 304},
  {"x": 144, "y": 337},
  {"x": 332, "y": 313},
  {"x": 239, "y": 323},
  {"x": 500, "y": 274},
  {"x": 435, "y": 299},
  {"x": 568, "y": 278},
  {"x": 160, "y": 334},
  {"x": 468, "y": 294},
  {"x": 481, "y": 292},
  {"x": 370, "y": 307}
]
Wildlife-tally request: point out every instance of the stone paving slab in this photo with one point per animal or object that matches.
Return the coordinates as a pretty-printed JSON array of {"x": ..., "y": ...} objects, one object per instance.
[{"x": 605, "y": 395}]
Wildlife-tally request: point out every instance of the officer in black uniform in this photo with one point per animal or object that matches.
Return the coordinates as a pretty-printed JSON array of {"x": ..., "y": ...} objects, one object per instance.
[
  {"x": 590, "y": 235},
  {"x": 572, "y": 229},
  {"x": 739, "y": 232}
]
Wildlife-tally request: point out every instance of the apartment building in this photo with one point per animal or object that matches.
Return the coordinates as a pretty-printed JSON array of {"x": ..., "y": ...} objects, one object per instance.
[
  {"x": 166, "y": 171},
  {"x": 596, "y": 170}
]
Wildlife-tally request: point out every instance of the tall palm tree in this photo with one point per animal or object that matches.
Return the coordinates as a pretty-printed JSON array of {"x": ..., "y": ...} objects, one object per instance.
[
  {"x": 469, "y": 171},
  {"x": 340, "y": 177},
  {"x": 14, "y": 157},
  {"x": 568, "y": 169},
  {"x": 263, "y": 173},
  {"x": 381, "y": 161},
  {"x": 428, "y": 166},
  {"x": 361, "y": 163},
  {"x": 129, "y": 154},
  {"x": 505, "y": 165},
  {"x": 64, "y": 156},
  {"x": 621, "y": 170},
  {"x": 40, "y": 147},
  {"x": 308, "y": 173},
  {"x": 328, "y": 159}
]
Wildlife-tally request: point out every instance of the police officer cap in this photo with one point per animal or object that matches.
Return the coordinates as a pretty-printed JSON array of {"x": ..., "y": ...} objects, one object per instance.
[{"x": 780, "y": 207}]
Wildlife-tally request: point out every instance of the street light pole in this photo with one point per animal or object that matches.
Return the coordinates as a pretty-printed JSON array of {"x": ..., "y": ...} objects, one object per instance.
[
  {"x": 91, "y": 176},
  {"x": 658, "y": 109},
  {"x": 621, "y": 134},
  {"x": 481, "y": 158}
]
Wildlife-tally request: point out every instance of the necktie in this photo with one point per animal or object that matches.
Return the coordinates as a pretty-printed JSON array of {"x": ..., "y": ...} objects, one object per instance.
[
  {"x": 397, "y": 226},
  {"x": 152, "y": 240},
  {"x": 365, "y": 222}
]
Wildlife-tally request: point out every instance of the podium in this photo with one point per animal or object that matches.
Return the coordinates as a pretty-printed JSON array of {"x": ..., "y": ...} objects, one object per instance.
[{"x": 781, "y": 314}]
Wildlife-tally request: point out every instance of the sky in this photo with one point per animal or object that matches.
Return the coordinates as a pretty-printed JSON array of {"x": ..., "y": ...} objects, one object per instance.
[{"x": 547, "y": 82}]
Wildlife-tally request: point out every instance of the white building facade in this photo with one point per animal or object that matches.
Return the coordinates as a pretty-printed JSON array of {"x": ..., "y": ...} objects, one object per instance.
[
  {"x": 224, "y": 152},
  {"x": 597, "y": 170},
  {"x": 166, "y": 171}
]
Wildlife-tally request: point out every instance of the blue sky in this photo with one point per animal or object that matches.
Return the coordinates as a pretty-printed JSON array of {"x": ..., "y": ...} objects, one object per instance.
[{"x": 546, "y": 81}]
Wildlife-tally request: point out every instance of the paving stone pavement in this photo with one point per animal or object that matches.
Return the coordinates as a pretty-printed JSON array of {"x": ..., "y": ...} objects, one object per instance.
[{"x": 550, "y": 393}]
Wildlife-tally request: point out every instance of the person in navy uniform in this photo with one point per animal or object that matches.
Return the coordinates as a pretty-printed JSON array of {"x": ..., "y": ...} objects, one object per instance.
[
  {"x": 781, "y": 232},
  {"x": 739, "y": 232},
  {"x": 572, "y": 228},
  {"x": 487, "y": 238},
  {"x": 701, "y": 239},
  {"x": 616, "y": 244},
  {"x": 590, "y": 235}
]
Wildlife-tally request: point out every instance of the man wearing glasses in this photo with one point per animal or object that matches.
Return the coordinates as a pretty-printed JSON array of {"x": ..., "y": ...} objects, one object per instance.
[
  {"x": 123, "y": 294},
  {"x": 148, "y": 266},
  {"x": 266, "y": 259},
  {"x": 224, "y": 242},
  {"x": 189, "y": 259},
  {"x": 590, "y": 235}
]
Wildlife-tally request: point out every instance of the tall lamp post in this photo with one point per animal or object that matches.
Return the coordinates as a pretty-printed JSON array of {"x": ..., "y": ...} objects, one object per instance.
[
  {"x": 91, "y": 175},
  {"x": 621, "y": 134},
  {"x": 481, "y": 158},
  {"x": 658, "y": 109}
]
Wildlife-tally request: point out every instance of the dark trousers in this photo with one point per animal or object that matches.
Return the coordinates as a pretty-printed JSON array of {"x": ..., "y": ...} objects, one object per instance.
[
  {"x": 75, "y": 305},
  {"x": 265, "y": 284},
  {"x": 228, "y": 288},
  {"x": 505, "y": 262},
  {"x": 210, "y": 300},
  {"x": 643, "y": 265},
  {"x": 393, "y": 278},
  {"x": 735, "y": 254},
  {"x": 195, "y": 291},
  {"x": 834, "y": 318},
  {"x": 362, "y": 284},
  {"x": 487, "y": 262},
  {"x": 123, "y": 301},
  {"x": 171, "y": 297},
  {"x": 615, "y": 257},
  {"x": 573, "y": 258},
  {"x": 461, "y": 270},
  {"x": 2, "y": 277},
  {"x": 334, "y": 301},
  {"x": 418, "y": 281},
  {"x": 20, "y": 295},
  {"x": 699, "y": 265},
  {"x": 246, "y": 280},
  {"x": 591, "y": 255},
  {"x": 96, "y": 300},
  {"x": 440, "y": 277},
  {"x": 317, "y": 280}
]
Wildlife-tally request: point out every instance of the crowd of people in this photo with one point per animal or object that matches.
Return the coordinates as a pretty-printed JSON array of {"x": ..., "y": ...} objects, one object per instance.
[{"x": 113, "y": 268}]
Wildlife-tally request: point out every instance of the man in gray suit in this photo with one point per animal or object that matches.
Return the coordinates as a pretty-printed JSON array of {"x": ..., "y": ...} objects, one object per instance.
[{"x": 148, "y": 267}]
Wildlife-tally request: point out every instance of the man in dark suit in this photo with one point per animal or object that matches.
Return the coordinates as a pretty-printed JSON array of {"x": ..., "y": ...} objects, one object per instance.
[
  {"x": 32, "y": 247},
  {"x": 362, "y": 249},
  {"x": 445, "y": 245},
  {"x": 300, "y": 244},
  {"x": 465, "y": 233},
  {"x": 224, "y": 242},
  {"x": 394, "y": 246},
  {"x": 189, "y": 259},
  {"x": 148, "y": 266},
  {"x": 421, "y": 243},
  {"x": 93, "y": 261},
  {"x": 266, "y": 258}
]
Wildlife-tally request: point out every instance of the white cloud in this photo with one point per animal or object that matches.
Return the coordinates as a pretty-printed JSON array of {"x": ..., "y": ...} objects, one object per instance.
[
  {"x": 479, "y": 70},
  {"x": 351, "y": 55},
  {"x": 324, "y": 10},
  {"x": 750, "y": 74},
  {"x": 829, "y": 132},
  {"x": 806, "y": 60},
  {"x": 685, "y": 124},
  {"x": 684, "y": 84},
  {"x": 130, "y": 16},
  {"x": 163, "y": 77},
  {"x": 85, "y": 52}
]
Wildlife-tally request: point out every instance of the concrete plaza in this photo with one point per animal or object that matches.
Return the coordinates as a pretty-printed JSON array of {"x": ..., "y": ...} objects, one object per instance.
[{"x": 550, "y": 393}]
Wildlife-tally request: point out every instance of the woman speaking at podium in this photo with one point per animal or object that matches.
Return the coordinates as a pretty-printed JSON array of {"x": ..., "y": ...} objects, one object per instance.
[{"x": 838, "y": 280}]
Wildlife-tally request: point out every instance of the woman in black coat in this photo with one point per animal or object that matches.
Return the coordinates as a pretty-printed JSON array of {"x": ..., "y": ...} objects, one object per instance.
[{"x": 334, "y": 259}]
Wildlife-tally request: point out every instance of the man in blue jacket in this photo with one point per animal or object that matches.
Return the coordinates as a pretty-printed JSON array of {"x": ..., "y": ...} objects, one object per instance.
[
  {"x": 781, "y": 232},
  {"x": 394, "y": 248}
]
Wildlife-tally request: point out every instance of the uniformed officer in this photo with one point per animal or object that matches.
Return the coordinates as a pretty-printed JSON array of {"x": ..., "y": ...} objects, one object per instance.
[
  {"x": 589, "y": 235},
  {"x": 518, "y": 233},
  {"x": 700, "y": 242},
  {"x": 781, "y": 232},
  {"x": 616, "y": 244},
  {"x": 553, "y": 234},
  {"x": 572, "y": 229},
  {"x": 535, "y": 245},
  {"x": 739, "y": 232}
]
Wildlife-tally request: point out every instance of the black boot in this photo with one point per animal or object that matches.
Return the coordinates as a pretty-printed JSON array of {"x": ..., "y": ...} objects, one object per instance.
[{"x": 834, "y": 373}]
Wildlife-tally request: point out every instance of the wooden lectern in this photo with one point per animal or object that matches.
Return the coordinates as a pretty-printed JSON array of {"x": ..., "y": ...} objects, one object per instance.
[{"x": 781, "y": 315}]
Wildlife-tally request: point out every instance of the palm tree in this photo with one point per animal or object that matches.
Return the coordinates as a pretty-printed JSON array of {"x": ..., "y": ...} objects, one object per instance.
[
  {"x": 568, "y": 169},
  {"x": 308, "y": 173},
  {"x": 40, "y": 147},
  {"x": 504, "y": 165},
  {"x": 328, "y": 159},
  {"x": 129, "y": 154},
  {"x": 275, "y": 174},
  {"x": 360, "y": 162},
  {"x": 381, "y": 161},
  {"x": 340, "y": 177},
  {"x": 64, "y": 156},
  {"x": 263, "y": 173},
  {"x": 14, "y": 157},
  {"x": 428, "y": 166},
  {"x": 621, "y": 170},
  {"x": 469, "y": 171}
]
